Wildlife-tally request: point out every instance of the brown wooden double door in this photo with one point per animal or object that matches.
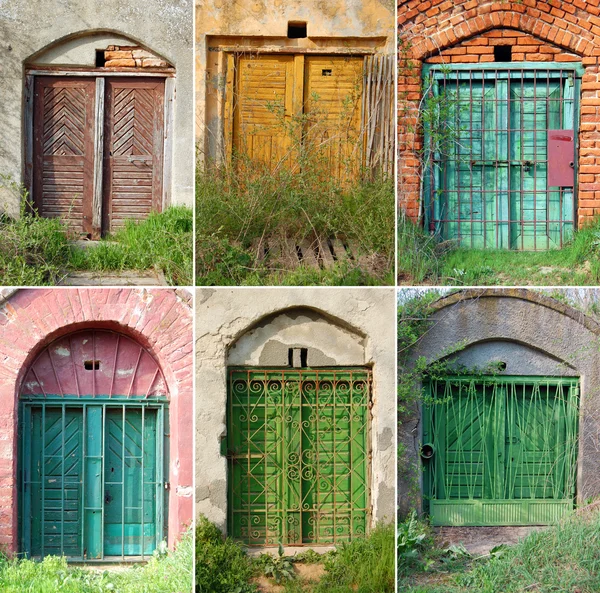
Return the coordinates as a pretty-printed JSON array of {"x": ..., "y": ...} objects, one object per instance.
[{"x": 97, "y": 150}]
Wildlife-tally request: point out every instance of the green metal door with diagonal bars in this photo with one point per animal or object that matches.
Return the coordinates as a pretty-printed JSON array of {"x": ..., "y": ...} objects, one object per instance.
[
  {"x": 500, "y": 450},
  {"x": 500, "y": 154},
  {"x": 92, "y": 478},
  {"x": 298, "y": 455}
]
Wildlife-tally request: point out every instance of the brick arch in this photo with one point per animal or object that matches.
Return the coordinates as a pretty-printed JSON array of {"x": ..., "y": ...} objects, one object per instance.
[
  {"x": 159, "y": 319},
  {"x": 444, "y": 24}
]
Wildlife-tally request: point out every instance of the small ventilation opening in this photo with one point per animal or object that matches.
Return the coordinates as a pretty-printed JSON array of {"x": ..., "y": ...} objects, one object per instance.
[
  {"x": 296, "y": 30},
  {"x": 100, "y": 58},
  {"x": 501, "y": 365},
  {"x": 298, "y": 357},
  {"x": 327, "y": 72},
  {"x": 91, "y": 365},
  {"x": 503, "y": 53}
]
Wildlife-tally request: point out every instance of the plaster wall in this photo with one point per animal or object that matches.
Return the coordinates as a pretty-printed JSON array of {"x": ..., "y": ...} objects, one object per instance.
[
  {"x": 29, "y": 34},
  {"x": 336, "y": 26},
  {"x": 338, "y": 326},
  {"x": 534, "y": 335},
  {"x": 158, "y": 319}
]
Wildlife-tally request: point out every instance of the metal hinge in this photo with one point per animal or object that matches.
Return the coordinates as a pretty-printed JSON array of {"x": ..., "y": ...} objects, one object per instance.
[{"x": 167, "y": 485}]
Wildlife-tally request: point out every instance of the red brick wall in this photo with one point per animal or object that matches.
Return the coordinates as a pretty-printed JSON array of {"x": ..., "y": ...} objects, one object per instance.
[
  {"x": 465, "y": 31},
  {"x": 480, "y": 49},
  {"x": 160, "y": 320}
]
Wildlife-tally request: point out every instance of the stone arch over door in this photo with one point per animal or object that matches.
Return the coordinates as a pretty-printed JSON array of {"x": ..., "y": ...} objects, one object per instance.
[
  {"x": 93, "y": 411},
  {"x": 98, "y": 116},
  {"x": 464, "y": 34},
  {"x": 298, "y": 404},
  {"x": 523, "y": 334},
  {"x": 290, "y": 332},
  {"x": 155, "y": 323}
]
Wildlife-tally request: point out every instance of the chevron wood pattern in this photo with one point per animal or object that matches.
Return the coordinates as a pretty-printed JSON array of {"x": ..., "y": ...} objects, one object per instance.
[
  {"x": 134, "y": 150},
  {"x": 63, "y": 150}
]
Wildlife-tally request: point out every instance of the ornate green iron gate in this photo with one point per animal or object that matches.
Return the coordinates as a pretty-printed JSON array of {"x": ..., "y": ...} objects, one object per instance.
[
  {"x": 500, "y": 146},
  {"x": 298, "y": 450},
  {"x": 91, "y": 477},
  {"x": 500, "y": 450}
]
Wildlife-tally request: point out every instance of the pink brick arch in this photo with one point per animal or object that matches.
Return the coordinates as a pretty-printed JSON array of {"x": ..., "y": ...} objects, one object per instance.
[
  {"x": 159, "y": 319},
  {"x": 429, "y": 28}
]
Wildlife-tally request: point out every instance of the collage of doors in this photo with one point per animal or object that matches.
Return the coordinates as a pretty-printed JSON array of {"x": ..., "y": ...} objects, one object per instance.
[{"x": 300, "y": 297}]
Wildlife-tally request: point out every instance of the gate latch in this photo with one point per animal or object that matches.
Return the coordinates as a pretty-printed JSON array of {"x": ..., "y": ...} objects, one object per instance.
[{"x": 167, "y": 485}]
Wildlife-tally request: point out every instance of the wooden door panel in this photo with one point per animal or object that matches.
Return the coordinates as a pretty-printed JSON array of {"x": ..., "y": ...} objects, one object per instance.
[
  {"x": 263, "y": 105},
  {"x": 63, "y": 135},
  {"x": 134, "y": 133},
  {"x": 333, "y": 91}
]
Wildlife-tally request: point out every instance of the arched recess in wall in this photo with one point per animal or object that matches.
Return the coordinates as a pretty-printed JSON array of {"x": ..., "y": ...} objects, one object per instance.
[
  {"x": 93, "y": 448},
  {"x": 98, "y": 131},
  {"x": 512, "y": 69},
  {"x": 298, "y": 422},
  {"x": 500, "y": 440}
]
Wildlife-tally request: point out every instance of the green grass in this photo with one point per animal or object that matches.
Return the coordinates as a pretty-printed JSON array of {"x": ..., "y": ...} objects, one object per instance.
[
  {"x": 36, "y": 251},
  {"x": 237, "y": 213},
  {"x": 564, "y": 558},
  {"x": 163, "y": 241},
  {"x": 421, "y": 260},
  {"x": 170, "y": 573},
  {"x": 363, "y": 566}
]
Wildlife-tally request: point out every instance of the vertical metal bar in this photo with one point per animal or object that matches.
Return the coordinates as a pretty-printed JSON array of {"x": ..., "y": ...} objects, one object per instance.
[
  {"x": 123, "y": 420},
  {"x": 142, "y": 481},
  {"x": 62, "y": 490},
  {"x": 83, "y": 472},
  {"x": 43, "y": 479},
  {"x": 159, "y": 486}
]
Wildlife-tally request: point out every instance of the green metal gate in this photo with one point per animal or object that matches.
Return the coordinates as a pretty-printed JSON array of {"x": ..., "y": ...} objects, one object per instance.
[
  {"x": 491, "y": 166},
  {"x": 500, "y": 450},
  {"x": 92, "y": 484},
  {"x": 298, "y": 450}
]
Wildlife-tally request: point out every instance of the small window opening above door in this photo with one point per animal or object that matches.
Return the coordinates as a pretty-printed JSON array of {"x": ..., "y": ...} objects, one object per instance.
[
  {"x": 296, "y": 30},
  {"x": 327, "y": 72},
  {"x": 100, "y": 58},
  {"x": 298, "y": 357},
  {"x": 502, "y": 53},
  {"x": 91, "y": 365}
]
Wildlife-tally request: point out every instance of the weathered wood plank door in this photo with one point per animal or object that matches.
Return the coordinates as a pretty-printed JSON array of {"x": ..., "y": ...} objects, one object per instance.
[
  {"x": 63, "y": 151},
  {"x": 264, "y": 106},
  {"x": 134, "y": 140},
  {"x": 285, "y": 104},
  {"x": 333, "y": 101}
]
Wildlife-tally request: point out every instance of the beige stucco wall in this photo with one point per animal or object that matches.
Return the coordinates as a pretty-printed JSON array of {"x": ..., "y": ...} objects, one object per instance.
[
  {"x": 332, "y": 25},
  {"x": 246, "y": 326},
  {"x": 26, "y": 28}
]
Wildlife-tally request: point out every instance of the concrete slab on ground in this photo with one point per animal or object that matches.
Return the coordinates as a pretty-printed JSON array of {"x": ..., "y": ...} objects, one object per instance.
[{"x": 124, "y": 278}]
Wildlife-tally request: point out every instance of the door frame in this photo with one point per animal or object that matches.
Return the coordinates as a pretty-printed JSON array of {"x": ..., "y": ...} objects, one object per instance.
[
  {"x": 231, "y": 370},
  {"x": 230, "y": 67},
  {"x": 160, "y": 405},
  {"x": 428, "y": 185},
  {"x": 426, "y": 436},
  {"x": 100, "y": 74}
]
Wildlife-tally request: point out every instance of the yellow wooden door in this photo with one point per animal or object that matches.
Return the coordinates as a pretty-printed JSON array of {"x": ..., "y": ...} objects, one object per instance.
[
  {"x": 333, "y": 91},
  {"x": 275, "y": 102},
  {"x": 263, "y": 109}
]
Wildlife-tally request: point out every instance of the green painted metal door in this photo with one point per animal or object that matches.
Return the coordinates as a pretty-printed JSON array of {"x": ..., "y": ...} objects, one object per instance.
[
  {"x": 297, "y": 451},
  {"x": 130, "y": 482},
  {"x": 500, "y": 451},
  {"x": 91, "y": 479},
  {"x": 487, "y": 158}
]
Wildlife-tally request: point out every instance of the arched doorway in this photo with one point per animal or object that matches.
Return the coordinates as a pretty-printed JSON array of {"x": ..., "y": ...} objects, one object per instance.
[{"x": 93, "y": 460}]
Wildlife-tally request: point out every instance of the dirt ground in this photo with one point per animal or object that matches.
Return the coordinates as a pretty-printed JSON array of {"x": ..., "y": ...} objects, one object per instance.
[
  {"x": 305, "y": 573},
  {"x": 480, "y": 540}
]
